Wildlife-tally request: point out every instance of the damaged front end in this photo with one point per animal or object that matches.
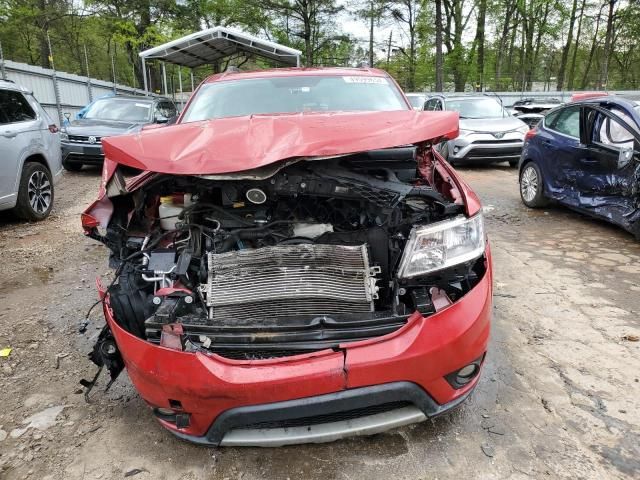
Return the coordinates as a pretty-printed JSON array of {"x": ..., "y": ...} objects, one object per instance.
[
  {"x": 303, "y": 260},
  {"x": 278, "y": 282}
]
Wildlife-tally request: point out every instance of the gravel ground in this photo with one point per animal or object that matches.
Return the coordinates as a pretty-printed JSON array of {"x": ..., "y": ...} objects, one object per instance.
[{"x": 559, "y": 397}]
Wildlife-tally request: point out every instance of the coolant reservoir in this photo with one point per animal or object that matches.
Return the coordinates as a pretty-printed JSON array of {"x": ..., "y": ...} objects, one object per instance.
[{"x": 168, "y": 211}]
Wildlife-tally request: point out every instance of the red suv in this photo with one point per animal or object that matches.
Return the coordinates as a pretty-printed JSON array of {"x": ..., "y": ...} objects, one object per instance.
[{"x": 293, "y": 261}]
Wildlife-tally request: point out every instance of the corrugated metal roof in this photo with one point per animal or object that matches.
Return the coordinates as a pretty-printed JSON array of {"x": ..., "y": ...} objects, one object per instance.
[{"x": 214, "y": 44}]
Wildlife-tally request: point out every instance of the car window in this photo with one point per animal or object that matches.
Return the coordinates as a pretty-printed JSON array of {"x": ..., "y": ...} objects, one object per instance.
[
  {"x": 416, "y": 101},
  {"x": 613, "y": 132},
  {"x": 550, "y": 118},
  {"x": 567, "y": 122},
  {"x": 294, "y": 94},
  {"x": 15, "y": 107},
  {"x": 120, "y": 109}
]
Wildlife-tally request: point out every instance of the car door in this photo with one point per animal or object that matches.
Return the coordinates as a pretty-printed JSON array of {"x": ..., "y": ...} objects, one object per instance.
[
  {"x": 18, "y": 132},
  {"x": 609, "y": 169},
  {"x": 562, "y": 153}
]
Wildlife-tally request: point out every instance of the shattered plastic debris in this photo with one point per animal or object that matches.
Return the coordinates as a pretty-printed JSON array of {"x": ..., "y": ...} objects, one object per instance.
[
  {"x": 5, "y": 352},
  {"x": 40, "y": 421},
  {"x": 135, "y": 471}
]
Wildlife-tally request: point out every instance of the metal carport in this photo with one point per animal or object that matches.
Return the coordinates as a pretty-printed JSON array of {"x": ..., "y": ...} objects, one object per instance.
[{"x": 214, "y": 44}]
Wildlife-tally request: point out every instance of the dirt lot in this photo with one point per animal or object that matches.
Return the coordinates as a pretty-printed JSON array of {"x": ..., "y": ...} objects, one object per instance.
[{"x": 559, "y": 398}]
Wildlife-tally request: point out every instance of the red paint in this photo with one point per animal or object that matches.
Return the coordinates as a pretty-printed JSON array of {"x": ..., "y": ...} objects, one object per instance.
[
  {"x": 530, "y": 134},
  {"x": 243, "y": 143},
  {"x": 576, "y": 97},
  {"x": 423, "y": 351}
]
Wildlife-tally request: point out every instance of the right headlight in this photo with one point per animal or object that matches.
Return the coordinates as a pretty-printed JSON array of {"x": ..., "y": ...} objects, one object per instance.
[
  {"x": 441, "y": 245},
  {"x": 64, "y": 135},
  {"x": 463, "y": 133}
]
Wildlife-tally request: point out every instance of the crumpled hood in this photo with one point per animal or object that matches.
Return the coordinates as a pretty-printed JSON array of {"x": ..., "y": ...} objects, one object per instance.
[{"x": 244, "y": 143}]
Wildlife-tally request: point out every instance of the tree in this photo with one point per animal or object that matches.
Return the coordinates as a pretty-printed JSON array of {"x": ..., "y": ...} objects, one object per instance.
[
  {"x": 567, "y": 46},
  {"x": 604, "y": 71},
  {"x": 405, "y": 13},
  {"x": 309, "y": 20},
  {"x": 439, "y": 59},
  {"x": 479, "y": 41},
  {"x": 572, "y": 70}
]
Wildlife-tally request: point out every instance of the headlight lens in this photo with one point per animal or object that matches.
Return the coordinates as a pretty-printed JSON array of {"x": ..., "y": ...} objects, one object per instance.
[
  {"x": 64, "y": 135},
  {"x": 464, "y": 133},
  {"x": 523, "y": 129},
  {"x": 442, "y": 245}
]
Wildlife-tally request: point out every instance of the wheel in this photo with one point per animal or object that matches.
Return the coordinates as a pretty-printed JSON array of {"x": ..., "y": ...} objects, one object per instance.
[
  {"x": 531, "y": 186},
  {"x": 513, "y": 163},
  {"x": 72, "y": 167},
  {"x": 35, "y": 196}
]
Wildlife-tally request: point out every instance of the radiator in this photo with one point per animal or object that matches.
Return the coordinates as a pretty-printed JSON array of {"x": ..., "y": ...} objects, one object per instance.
[{"x": 284, "y": 281}]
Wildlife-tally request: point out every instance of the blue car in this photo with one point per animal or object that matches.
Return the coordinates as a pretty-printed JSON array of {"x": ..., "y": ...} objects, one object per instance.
[{"x": 586, "y": 155}]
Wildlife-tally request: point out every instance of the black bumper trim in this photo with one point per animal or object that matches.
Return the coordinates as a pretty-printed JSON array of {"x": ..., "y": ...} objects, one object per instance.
[{"x": 345, "y": 400}]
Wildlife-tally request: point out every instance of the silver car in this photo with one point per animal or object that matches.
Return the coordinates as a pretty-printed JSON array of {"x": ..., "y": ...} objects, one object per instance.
[
  {"x": 30, "y": 153},
  {"x": 488, "y": 133},
  {"x": 417, "y": 100}
]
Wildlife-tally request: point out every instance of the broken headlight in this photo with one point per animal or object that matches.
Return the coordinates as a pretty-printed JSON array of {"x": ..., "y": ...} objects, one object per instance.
[{"x": 442, "y": 245}]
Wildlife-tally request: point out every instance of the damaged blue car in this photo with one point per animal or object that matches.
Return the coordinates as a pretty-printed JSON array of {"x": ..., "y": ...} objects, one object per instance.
[{"x": 586, "y": 155}]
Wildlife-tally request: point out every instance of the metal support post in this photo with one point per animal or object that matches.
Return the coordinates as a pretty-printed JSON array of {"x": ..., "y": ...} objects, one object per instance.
[
  {"x": 54, "y": 78},
  {"x": 144, "y": 76},
  {"x": 4, "y": 74},
  {"x": 164, "y": 79},
  {"x": 86, "y": 68}
]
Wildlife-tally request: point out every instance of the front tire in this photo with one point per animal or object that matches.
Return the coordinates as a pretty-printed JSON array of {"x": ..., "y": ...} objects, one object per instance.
[
  {"x": 531, "y": 186},
  {"x": 35, "y": 196},
  {"x": 72, "y": 167}
]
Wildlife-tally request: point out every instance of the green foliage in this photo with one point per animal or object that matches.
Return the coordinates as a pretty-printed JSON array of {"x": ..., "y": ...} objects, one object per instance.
[{"x": 523, "y": 43}]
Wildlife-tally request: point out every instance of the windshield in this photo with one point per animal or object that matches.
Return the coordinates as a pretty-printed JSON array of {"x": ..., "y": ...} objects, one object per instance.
[
  {"x": 119, "y": 109},
  {"x": 477, "y": 108},
  {"x": 416, "y": 101},
  {"x": 292, "y": 95}
]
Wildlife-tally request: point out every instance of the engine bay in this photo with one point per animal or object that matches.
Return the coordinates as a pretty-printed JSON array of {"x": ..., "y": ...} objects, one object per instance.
[{"x": 297, "y": 260}]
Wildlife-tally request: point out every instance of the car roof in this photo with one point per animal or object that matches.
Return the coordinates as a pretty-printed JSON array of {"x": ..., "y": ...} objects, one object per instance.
[
  {"x": 131, "y": 97},
  {"x": 297, "y": 72},
  {"x": 10, "y": 85},
  {"x": 607, "y": 100}
]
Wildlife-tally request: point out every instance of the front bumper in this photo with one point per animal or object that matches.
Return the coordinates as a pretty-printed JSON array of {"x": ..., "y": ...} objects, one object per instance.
[
  {"x": 82, "y": 153},
  {"x": 223, "y": 402},
  {"x": 486, "y": 148}
]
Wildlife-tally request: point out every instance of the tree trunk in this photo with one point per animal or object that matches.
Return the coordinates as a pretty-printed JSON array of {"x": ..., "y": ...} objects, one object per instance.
[
  {"x": 371, "y": 19},
  {"x": 501, "y": 46},
  {"x": 482, "y": 12},
  {"x": 604, "y": 72},
  {"x": 567, "y": 46},
  {"x": 594, "y": 44},
  {"x": 572, "y": 69},
  {"x": 439, "y": 72}
]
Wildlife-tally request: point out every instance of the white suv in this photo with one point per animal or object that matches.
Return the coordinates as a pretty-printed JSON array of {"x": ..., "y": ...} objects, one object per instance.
[{"x": 30, "y": 156}]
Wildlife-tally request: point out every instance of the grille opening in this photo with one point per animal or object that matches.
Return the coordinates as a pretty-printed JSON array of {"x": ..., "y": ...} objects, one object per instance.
[{"x": 328, "y": 417}]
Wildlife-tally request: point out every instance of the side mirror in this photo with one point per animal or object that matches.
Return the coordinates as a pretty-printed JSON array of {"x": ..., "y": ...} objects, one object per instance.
[{"x": 161, "y": 119}]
